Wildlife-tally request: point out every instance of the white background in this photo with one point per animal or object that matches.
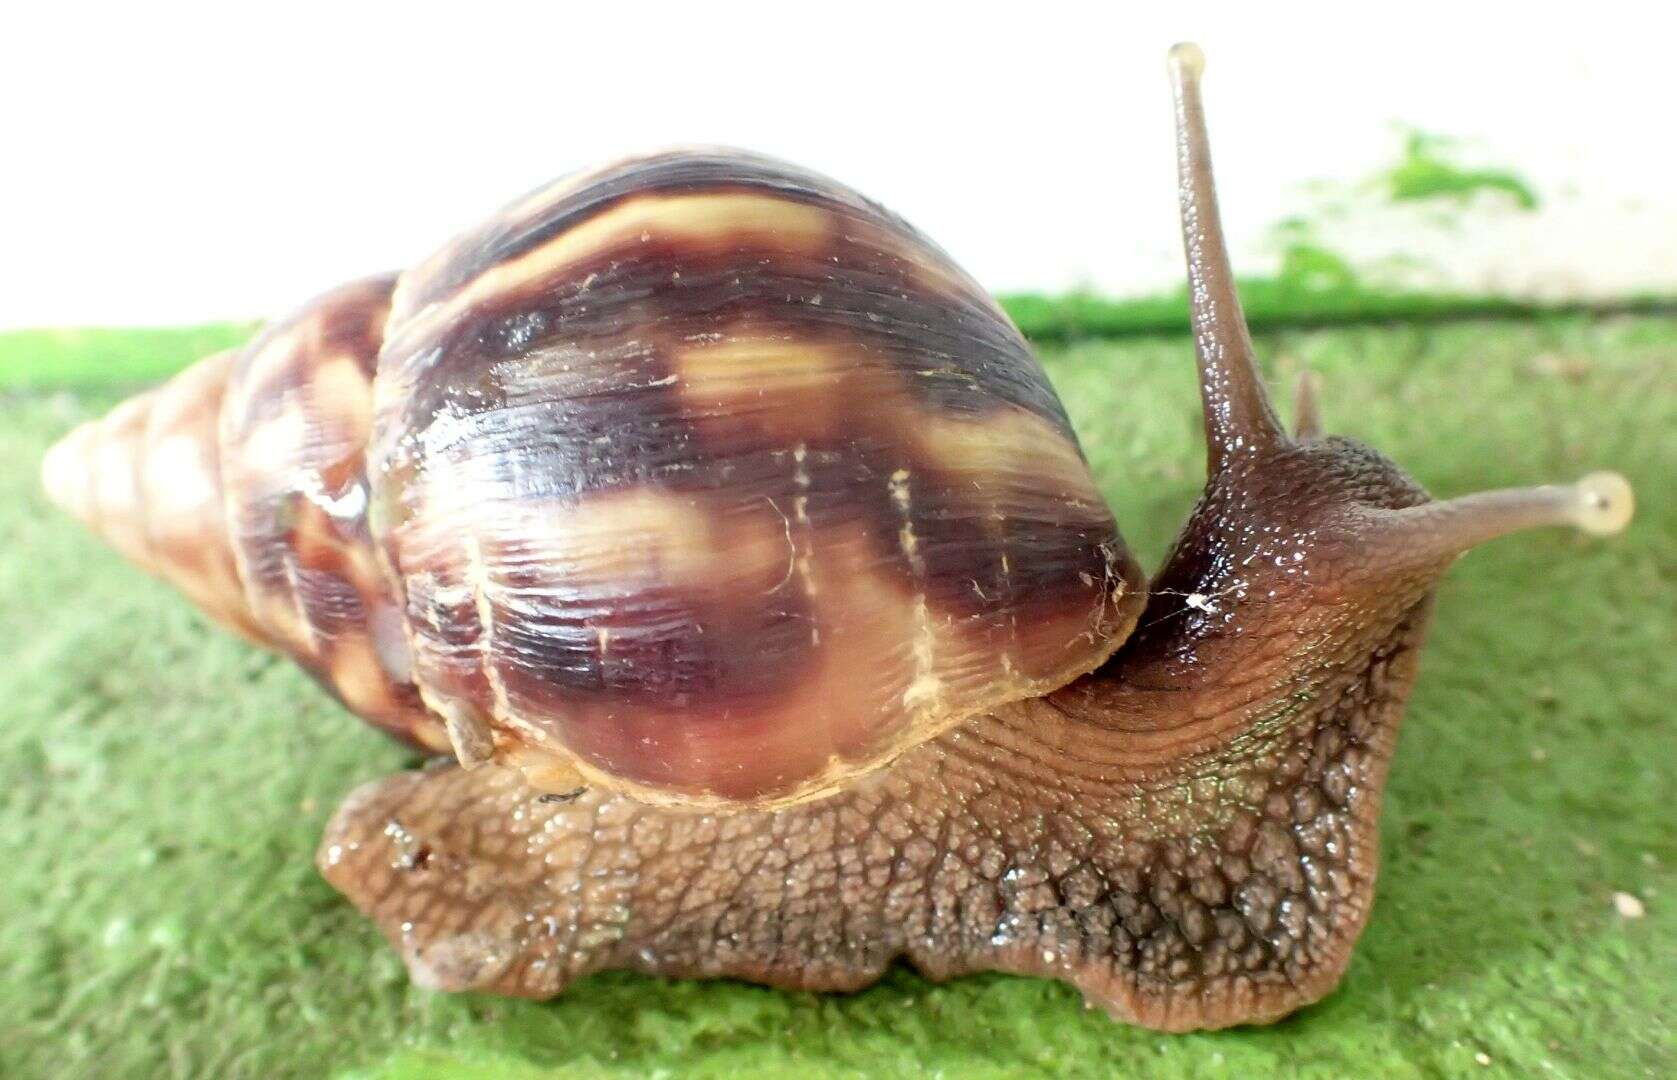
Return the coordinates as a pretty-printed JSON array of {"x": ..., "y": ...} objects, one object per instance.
[{"x": 174, "y": 162}]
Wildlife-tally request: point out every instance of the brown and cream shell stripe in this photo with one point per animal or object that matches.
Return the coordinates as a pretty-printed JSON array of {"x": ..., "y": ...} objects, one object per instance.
[
  {"x": 699, "y": 474},
  {"x": 241, "y": 481}
]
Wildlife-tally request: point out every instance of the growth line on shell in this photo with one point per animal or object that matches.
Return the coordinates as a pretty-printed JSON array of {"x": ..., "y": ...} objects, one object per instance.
[
  {"x": 926, "y": 684},
  {"x": 477, "y": 576},
  {"x": 791, "y": 546}
]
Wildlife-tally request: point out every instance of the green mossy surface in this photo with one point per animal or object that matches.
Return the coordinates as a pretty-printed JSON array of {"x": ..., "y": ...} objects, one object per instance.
[{"x": 162, "y": 786}]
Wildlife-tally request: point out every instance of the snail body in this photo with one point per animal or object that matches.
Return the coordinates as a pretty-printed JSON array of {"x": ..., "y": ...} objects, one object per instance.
[{"x": 706, "y": 484}]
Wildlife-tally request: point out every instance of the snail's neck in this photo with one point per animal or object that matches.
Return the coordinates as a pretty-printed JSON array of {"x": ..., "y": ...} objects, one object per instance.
[
  {"x": 1205, "y": 662},
  {"x": 1180, "y": 702},
  {"x": 1267, "y": 610}
]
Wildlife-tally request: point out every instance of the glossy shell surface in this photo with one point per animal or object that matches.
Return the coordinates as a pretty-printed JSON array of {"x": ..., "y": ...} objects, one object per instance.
[
  {"x": 698, "y": 476},
  {"x": 708, "y": 474}
]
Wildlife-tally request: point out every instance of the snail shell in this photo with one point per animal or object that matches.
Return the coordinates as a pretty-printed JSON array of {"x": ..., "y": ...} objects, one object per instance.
[
  {"x": 242, "y": 482},
  {"x": 698, "y": 475}
]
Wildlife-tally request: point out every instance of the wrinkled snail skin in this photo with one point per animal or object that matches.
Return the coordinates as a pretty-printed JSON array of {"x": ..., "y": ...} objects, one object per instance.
[
  {"x": 1220, "y": 880},
  {"x": 704, "y": 480}
]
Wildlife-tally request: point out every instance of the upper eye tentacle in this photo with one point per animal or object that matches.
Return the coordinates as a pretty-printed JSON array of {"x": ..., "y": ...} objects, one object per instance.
[{"x": 1239, "y": 419}]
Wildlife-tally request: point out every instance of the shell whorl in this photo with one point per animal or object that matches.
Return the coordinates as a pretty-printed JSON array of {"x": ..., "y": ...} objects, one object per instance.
[
  {"x": 147, "y": 478},
  {"x": 241, "y": 481}
]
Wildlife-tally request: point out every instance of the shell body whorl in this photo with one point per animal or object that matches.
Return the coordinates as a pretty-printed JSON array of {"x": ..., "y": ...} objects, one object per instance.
[
  {"x": 295, "y": 419},
  {"x": 712, "y": 476}
]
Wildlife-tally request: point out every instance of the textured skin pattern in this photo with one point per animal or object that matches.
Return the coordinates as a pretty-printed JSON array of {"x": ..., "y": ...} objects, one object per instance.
[
  {"x": 1187, "y": 835},
  {"x": 713, "y": 474},
  {"x": 242, "y": 482},
  {"x": 1229, "y": 892}
]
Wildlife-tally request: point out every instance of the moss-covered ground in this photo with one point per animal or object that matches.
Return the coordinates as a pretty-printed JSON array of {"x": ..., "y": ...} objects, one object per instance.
[{"x": 162, "y": 786}]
